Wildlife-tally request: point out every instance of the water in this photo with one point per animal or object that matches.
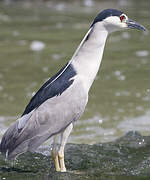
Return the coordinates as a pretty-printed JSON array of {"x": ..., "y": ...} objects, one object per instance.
[{"x": 120, "y": 97}]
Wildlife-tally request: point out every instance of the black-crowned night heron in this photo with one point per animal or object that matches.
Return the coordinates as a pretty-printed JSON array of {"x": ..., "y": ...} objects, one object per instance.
[{"x": 62, "y": 99}]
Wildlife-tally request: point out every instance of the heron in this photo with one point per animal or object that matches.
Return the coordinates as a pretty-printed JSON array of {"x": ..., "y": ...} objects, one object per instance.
[{"x": 62, "y": 99}]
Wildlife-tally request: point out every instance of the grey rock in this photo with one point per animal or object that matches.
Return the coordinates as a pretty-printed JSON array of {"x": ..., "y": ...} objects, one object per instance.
[{"x": 126, "y": 158}]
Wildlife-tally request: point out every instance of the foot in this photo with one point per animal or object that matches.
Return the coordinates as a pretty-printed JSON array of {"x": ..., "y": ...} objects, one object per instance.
[{"x": 63, "y": 170}]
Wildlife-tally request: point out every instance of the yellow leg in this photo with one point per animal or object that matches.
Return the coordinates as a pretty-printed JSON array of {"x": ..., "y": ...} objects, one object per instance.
[
  {"x": 61, "y": 161},
  {"x": 54, "y": 154},
  {"x": 56, "y": 161},
  {"x": 58, "y": 155},
  {"x": 64, "y": 138}
]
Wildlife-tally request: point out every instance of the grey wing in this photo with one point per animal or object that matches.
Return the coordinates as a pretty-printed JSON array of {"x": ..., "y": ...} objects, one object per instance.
[
  {"x": 27, "y": 126},
  {"x": 50, "y": 118}
]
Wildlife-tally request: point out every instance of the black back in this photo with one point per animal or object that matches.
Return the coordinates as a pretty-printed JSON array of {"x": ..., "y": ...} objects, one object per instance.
[
  {"x": 51, "y": 89},
  {"x": 106, "y": 13}
]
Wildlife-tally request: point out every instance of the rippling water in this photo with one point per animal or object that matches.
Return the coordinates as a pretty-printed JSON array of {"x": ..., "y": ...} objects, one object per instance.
[{"x": 36, "y": 40}]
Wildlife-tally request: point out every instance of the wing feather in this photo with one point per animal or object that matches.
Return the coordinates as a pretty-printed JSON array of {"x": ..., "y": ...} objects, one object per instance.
[{"x": 52, "y": 88}]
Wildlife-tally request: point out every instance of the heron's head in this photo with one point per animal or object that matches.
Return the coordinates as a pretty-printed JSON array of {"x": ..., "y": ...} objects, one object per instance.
[{"x": 115, "y": 20}]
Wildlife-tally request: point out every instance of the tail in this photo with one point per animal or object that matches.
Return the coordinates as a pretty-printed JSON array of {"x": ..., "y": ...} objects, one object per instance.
[
  {"x": 8, "y": 140},
  {"x": 15, "y": 142}
]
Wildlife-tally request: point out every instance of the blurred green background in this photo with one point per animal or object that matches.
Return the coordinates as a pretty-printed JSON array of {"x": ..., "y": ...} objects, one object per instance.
[{"x": 38, "y": 37}]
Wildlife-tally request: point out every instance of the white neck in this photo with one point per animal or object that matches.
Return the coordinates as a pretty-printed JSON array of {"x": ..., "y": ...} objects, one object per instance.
[{"x": 88, "y": 56}]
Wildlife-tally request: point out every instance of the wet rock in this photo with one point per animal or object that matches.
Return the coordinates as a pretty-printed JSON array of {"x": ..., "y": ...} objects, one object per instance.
[
  {"x": 126, "y": 158},
  {"x": 132, "y": 139}
]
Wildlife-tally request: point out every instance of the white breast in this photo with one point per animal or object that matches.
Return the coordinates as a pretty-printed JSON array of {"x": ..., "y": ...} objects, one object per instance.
[{"x": 87, "y": 59}]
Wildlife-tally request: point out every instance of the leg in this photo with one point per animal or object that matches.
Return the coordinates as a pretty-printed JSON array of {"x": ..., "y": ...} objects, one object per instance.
[
  {"x": 55, "y": 153},
  {"x": 64, "y": 137}
]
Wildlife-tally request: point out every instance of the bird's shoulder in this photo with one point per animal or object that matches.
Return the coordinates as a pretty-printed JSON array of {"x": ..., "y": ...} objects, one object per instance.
[{"x": 54, "y": 86}]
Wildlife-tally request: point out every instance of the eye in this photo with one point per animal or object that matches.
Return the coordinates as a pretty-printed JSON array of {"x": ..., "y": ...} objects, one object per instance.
[{"x": 122, "y": 18}]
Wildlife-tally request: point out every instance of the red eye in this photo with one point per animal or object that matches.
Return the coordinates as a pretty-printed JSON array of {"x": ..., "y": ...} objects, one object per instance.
[{"x": 122, "y": 18}]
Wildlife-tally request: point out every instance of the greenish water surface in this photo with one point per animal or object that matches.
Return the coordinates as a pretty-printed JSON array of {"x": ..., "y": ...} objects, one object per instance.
[{"x": 119, "y": 99}]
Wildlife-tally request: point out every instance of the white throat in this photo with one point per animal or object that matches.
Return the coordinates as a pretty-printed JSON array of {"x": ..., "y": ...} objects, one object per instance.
[{"x": 88, "y": 56}]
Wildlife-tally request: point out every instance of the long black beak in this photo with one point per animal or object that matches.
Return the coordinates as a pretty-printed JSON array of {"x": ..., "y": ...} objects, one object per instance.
[{"x": 134, "y": 25}]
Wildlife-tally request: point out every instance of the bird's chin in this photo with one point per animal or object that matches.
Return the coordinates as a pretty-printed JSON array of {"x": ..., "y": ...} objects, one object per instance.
[{"x": 134, "y": 25}]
